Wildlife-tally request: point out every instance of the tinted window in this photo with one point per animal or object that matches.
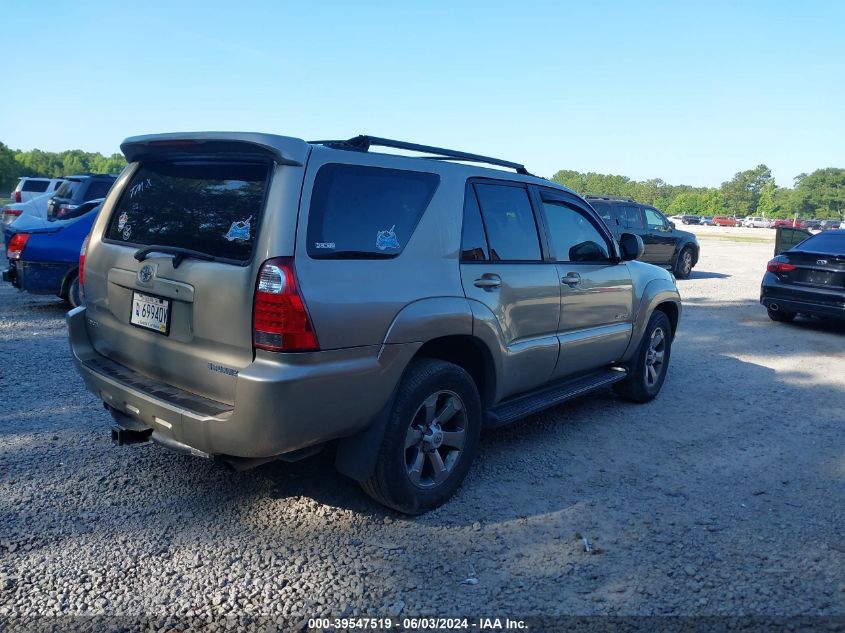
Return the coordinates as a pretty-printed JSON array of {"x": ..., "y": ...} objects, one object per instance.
[
  {"x": 632, "y": 216},
  {"x": 830, "y": 243},
  {"x": 35, "y": 185},
  {"x": 509, "y": 220},
  {"x": 608, "y": 212},
  {"x": 98, "y": 189},
  {"x": 474, "y": 243},
  {"x": 57, "y": 185},
  {"x": 574, "y": 237},
  {"x": 653, "y": 218},
  {"x": 366, "y": 212},
  {"x": 211, "y": 207},
  {"x": 67, "y": 189}
]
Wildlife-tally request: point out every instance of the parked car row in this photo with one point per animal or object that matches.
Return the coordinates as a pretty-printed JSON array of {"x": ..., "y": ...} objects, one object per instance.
[
  {"x": 757, "y": 222},
  {"x": 38, "y": 201}
]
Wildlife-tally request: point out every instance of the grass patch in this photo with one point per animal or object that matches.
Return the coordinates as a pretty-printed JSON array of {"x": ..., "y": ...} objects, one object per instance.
[{"x": 737, "y": 238}]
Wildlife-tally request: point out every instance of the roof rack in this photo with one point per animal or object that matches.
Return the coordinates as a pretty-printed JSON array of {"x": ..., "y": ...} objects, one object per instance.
[{"x": 363, "y": 143}]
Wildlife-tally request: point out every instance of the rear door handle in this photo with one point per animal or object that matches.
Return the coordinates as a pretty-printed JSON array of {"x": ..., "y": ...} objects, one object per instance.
[
  {"x": 488, "y": 282},
  {"x": 571, "y": 279}
]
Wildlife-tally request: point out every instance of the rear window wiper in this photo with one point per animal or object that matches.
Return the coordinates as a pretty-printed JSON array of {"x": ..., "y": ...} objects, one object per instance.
[{"x": 179, "y": 254}]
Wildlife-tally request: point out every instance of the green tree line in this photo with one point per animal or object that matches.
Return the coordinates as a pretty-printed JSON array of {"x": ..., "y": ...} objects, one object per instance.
[
  {"x": 15, "y": 163},
  {"x": 820, "y": 194}
]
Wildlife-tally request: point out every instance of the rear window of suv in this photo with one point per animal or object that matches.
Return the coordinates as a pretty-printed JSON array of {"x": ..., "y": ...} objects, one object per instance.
[
  {"x": 366, "y": 212},
  {"x": 67, "y": 189},
  {"x": 37, "y": 186},
  {"x": 97, "y": 189},
  {"x": 208, "y": 206}
]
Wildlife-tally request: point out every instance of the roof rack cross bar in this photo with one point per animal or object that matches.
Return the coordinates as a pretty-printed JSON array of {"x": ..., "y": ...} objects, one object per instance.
[{"x": 363, "y": 143}]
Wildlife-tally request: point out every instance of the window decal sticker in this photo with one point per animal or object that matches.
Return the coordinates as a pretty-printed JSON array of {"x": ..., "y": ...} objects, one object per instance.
[
  {"x": 387, "y": 239},
  {"x": 239, "y": 230},
  {"x": 122, "y": 220}
]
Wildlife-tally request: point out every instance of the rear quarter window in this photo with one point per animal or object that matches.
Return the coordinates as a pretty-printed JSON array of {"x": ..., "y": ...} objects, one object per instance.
[
  {"x": 97, "y": 189},
  {"x": 67, "y": 189},
  {"x": 208, "y": 206},
  {"x": 360, "y": 212}
]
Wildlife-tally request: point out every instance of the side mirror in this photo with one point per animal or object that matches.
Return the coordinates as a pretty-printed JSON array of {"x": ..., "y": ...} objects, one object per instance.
[
  {"x": 671, "y": 225},
  {"x": 631, "y": 246}
]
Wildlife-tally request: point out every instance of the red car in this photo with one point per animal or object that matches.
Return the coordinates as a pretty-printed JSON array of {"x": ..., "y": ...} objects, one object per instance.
[
  {"x": 787, "y": 223},
  {"x": 721, "y": 220}
]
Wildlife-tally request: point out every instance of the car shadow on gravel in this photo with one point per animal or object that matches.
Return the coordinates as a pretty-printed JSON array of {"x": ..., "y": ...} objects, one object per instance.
[{"x": 702, "y": 274}]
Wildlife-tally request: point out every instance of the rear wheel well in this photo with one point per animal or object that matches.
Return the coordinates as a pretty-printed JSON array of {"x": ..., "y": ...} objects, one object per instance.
[
  {"x": 470, "y": 354},
  {"x": 67, "y": 280},
  {"x": 671, "y": 311}
]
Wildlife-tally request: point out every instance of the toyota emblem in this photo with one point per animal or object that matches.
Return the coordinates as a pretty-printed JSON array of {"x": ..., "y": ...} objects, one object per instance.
[
  {"x": 821, "y": 262},
  {"x": 145, "y": 275}
]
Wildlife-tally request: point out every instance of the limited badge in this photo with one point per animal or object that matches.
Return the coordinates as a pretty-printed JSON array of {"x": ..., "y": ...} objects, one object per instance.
[{"x": 239, "y": 230}]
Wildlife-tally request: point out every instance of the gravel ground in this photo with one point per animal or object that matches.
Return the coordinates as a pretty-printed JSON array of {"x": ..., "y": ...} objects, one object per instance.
[{"x": 723, "y": 496}]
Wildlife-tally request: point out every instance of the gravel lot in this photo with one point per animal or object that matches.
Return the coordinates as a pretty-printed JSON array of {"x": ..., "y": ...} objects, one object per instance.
[{"x": 726, "y": 495}]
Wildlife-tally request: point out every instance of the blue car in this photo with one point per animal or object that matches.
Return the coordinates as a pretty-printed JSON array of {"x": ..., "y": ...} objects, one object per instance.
[{"x": 46, "y": 260}]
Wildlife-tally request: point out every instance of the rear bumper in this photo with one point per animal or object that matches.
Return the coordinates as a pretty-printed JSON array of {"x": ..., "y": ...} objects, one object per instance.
[
  {"x": 283, "y": 402},
  {"x": 789, "y": 298}
]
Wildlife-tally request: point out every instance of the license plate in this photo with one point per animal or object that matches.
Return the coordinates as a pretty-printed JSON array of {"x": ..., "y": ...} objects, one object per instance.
[
  {"x": 151, "y": 313},
  {"x": 819, "y": 278}
]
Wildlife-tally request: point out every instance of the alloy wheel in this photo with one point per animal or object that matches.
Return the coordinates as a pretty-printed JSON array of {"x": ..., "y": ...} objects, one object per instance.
[
  {"x": 655, "y": 356},
  {"x": 435, "y": 439}
]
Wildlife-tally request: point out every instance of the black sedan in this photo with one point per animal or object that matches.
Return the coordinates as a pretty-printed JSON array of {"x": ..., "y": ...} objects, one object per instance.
[{"x": 807, "y": 277}]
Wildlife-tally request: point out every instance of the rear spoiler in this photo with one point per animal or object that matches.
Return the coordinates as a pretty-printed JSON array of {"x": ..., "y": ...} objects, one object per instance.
[{"x": 282, "y": 149}]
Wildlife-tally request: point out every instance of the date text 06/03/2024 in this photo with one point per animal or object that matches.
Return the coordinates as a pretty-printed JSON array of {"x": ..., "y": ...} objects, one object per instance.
[{"x": 419, "y": 624}]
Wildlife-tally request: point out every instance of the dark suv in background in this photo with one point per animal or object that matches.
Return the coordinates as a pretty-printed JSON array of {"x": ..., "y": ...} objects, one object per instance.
[
  {"x": 665, "y": 245},
  {"x": 77, "y": 190}
]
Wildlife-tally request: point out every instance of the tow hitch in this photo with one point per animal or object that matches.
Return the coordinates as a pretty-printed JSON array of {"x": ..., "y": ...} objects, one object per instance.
[{"x": 122, "y": 436}]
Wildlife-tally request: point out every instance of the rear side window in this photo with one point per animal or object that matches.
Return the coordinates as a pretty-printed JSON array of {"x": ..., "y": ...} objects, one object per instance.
[
  {"x": 98, "y": 189},
  {"x": 366, "y": 212},
  {"x": 67, "y": 189},
  {"x": 609, "y": 213},
  {"x": 35, "y": 185},
  {"x": 632, "y": 217},
  {"x": 208, "y": 206},
  {"x": 509, "y": 220}
]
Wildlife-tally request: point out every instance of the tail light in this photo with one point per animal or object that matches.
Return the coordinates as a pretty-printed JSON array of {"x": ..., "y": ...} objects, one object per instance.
[
  {"x": 9, "y": 215},
  {"x": 64, "y": 209},
  {"x": 280, "y": 322},
  {"x": 82, "y": 252},
  {"x": 779, "y": 264},
  {"x": 17, "y": 196},
  {"x": 16, "y": 245}
]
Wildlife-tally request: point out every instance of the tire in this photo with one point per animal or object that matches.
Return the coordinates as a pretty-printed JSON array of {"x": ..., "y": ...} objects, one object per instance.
[
  {"x": 684, "y": 264},
  {"x": 643, "y": 384},
  {"x": 417, "y": 469},
  {"x": 780, "y": 316},
  {"x": 73, "y": 294}
]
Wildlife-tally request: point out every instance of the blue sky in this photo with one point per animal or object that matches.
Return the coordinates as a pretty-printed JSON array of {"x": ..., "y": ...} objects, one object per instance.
[{"x": 690, "y": 92}]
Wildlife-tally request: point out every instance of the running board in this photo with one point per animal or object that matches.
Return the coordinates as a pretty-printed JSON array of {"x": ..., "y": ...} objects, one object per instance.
[{"x": 534, "y": 401}]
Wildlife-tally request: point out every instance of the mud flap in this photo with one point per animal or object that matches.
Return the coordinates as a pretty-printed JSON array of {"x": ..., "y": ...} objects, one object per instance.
[{"x": 357, "y": 455}]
